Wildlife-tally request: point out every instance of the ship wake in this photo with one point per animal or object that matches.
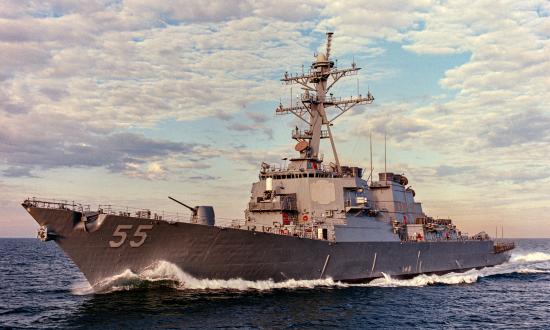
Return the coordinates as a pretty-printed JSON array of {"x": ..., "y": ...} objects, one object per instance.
[
  {"x": 166, "y": 274},
  {"x": 520, "y": 263}
]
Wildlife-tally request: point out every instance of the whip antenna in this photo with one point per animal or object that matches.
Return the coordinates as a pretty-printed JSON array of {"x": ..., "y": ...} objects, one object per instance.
[{"x": 329, "y": 43}]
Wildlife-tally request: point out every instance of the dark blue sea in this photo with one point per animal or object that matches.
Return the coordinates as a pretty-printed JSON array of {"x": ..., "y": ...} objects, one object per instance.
[{"x": 41, "y": 288}]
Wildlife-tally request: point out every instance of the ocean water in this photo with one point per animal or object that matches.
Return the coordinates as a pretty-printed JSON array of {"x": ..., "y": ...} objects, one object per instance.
[{"x": 41, "y": 288}]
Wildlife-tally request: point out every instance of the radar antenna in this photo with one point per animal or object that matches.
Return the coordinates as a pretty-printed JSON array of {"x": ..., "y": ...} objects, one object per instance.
[
  {"x": 313, "y": 103},
  {"x": 329, "y": 42}
]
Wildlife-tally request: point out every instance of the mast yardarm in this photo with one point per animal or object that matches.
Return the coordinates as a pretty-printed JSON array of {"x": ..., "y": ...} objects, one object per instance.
[{"x": 311, "y": 108}]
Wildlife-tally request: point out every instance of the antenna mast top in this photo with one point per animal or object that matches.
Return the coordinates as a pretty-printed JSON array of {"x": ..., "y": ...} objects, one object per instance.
[
  {"x": 329, "y": 42},
  {"x": 316, "y": 83}
]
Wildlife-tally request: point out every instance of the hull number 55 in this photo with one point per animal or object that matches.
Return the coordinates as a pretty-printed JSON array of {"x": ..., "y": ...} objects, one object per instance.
[{"x": 138, "y": 238}]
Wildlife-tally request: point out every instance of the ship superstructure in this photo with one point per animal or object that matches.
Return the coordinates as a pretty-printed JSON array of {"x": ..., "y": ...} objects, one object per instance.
[
  {"x": 333, "y": 202},
  {"x": 307, "y": 220}
]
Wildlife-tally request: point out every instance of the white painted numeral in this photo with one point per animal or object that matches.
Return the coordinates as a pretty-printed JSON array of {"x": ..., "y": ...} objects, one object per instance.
[
  {"x": 139, "y": 235},
  {"x": 120, "y": 233},
  {"x": 140, "y": 232}
]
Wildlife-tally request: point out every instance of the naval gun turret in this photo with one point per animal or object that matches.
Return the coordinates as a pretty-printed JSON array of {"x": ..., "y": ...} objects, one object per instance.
[{"x": 203, "y": 215}]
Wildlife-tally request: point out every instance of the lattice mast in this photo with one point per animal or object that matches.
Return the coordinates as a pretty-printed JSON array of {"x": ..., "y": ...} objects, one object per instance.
[{"x": 314, "y": 101}]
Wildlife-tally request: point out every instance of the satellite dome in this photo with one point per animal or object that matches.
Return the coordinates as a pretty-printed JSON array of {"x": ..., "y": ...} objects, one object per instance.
[{"x": 321, "y": 57}]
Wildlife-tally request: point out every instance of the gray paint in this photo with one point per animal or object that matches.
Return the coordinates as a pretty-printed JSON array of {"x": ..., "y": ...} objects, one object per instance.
[
  {"x": 224, "y": 253},
  {"x": 307, "y": 221}
]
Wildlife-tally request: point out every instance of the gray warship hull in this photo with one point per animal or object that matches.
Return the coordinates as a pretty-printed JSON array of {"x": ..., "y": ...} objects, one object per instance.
[{"x": 211, "y": 252}]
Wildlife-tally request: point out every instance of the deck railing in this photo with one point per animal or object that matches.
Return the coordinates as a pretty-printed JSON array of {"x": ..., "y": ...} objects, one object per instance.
[
  {"x": 57, "y": 204},
  {"x": 141, "y": 213},
  {"x": 504, "y": 246}
]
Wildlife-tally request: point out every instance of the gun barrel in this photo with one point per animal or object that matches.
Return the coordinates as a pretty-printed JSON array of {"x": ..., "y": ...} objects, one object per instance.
[{"x": 187, "y": 206}]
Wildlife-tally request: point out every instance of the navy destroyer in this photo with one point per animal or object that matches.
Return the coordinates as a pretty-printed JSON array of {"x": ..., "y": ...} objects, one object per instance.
[{"x": 307, "y": 220}]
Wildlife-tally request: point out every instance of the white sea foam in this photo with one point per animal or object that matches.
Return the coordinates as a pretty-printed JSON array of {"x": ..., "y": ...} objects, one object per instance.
[
  {"x": 170, "y": 275},
  {"x": 167, "y": 271},
  {"x": 423, "y": 280},
  {"x": 81, "y": 288},
  {"x": 520, "y": 262},
  {"x": 167, "y": 274},
  {"x": 532, "y": 271},
  {"x": 530, "y": 257}
]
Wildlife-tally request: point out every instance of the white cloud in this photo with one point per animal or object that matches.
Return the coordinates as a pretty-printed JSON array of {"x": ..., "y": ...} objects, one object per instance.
[
  {"x": 74, "y": 76},
  {"x": 357, "y": 23}
]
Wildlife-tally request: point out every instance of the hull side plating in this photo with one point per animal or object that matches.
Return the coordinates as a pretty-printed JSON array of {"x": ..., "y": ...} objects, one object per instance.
[{"x": 225, "y": 253}]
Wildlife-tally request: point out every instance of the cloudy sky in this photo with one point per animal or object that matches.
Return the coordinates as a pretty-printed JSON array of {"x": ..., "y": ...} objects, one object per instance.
[{"x": 127, "y": 102}]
